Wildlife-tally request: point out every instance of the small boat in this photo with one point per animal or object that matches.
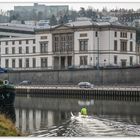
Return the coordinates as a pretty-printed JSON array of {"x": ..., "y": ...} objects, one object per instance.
[{"x": 7, "y": 93}]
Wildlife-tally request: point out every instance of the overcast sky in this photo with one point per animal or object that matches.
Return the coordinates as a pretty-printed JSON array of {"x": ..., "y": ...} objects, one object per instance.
[{"x": 74, "y": 4}]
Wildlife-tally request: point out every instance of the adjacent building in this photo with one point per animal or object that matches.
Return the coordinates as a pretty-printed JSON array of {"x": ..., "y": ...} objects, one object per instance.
[
  {"x": 74, "y": 45},
  {"x": 41, "y": 10},
  {"x": 15, "y": 30}
]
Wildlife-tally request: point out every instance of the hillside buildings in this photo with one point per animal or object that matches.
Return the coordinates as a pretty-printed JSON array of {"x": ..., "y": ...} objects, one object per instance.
[
  {"x": 74, "y": 45},
  {"x": 40, "y": 10}
]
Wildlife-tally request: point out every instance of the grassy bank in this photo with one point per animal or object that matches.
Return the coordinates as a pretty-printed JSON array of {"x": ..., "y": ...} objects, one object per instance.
[{"x": 7, "y": 127}]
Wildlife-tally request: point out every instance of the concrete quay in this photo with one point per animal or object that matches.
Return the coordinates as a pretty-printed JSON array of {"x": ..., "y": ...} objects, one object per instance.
[{"x": 98, "y": 92}]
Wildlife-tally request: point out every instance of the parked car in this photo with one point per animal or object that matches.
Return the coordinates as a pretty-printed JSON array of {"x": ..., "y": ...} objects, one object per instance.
[
  {"x": 85, "y": 85},
  {"x": 25, "y": 82}
]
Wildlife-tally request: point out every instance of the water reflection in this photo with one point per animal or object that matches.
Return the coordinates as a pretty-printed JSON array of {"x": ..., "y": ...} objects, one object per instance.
[
  {"x": 29, "y": 120},
  {"x": 52, "y": 117}
]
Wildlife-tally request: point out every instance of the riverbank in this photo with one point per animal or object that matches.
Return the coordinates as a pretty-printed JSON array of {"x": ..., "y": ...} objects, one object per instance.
[
  {"x": 7, "y": 127},
  {"x": 101, "y": 93}
]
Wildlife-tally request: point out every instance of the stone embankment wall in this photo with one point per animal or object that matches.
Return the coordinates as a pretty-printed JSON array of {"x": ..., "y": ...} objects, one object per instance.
[{"x": 97, "y": 77}]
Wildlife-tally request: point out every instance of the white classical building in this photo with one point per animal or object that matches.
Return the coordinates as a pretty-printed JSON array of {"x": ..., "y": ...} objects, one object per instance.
[{"x": 74, "y": 45}]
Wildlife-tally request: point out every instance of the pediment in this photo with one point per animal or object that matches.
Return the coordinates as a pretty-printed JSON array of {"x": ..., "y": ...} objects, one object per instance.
[{"x": 62, "y": 27}]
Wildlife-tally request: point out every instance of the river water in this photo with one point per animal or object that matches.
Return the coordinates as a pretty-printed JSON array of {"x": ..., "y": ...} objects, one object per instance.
[{"x": 52, "y": 117}]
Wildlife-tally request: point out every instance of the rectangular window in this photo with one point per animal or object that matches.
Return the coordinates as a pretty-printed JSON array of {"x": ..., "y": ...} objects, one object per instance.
[
  {"x": 27, "y": 49},
  {"x": 83, "y": 60},
  {"x": 6, "y": 43},
  {"x": 123, "y": 46},
  {"x": 6, "y": 50},
  {"x": 131, "y": 35},
  {"x": 115, "y": 45},
  {"x": 96, "y": 34},
  {"x": 43, "y": 37},
  {"x": 44, "y": 62},
  {"x": 27, "y": 41},
  {"x": 115, "y": 34},
  {"x": 20, "y": 63},
  {"x": 56, "y": 38},
  {"x": 131, "y": 60},
  {"x": 34, "y": 49},
  {"x": 33, "y": 41},
  {"x": 13, "y": 50},
  {"x": 131, "y": 46},
  {"x": 123, "y": 34},
  {"x": 62, "y": 42},
  {"x": 20, "y": 50},
  {"x": 83, "y": 35},
  {"x": 44, "y": 47},
  {"x": 13, "y": 63},
  {"x": 13, "y": 42},
  {"x": 6, "y": 63},
  {"x": 34, "y": 62},
  {"x": 115, "y": 59},
  {"x": 83, "y": 45},
  {"x": 27, "y": 62},
  {"x": 19, "y": 41}
]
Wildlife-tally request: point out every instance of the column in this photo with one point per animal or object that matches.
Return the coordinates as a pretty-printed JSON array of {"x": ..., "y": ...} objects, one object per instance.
[
  {"x": 59, "y": 62},
  {"x": 66, "y": 62}
]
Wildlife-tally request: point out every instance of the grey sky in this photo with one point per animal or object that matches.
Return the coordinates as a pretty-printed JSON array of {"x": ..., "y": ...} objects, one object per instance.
[{"x": 9, "y": 5}]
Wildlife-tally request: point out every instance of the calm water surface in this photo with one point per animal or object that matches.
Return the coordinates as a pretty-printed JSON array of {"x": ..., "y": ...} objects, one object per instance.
[{"x": 47, "y": 117}]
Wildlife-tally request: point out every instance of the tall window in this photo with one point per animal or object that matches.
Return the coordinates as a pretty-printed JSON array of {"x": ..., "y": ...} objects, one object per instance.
[
  {"x": 6, "y": 63},
  {"x": 13, "y": 50},
  {"x": 123, "y": 34},
  {"x": 115, "y": 34},
  {"x": 19, "y": 41},
  {"x": 13, "y": 42},
  {"x": 44, "y": 62},
  {"x": 20, "y": 63},
  {"x": 20, "y": 50},
  {"x": 123, "y": 46},
  {"x": 27, "y": 41},
  {"x": 131, "y": 46},
  {"x": 96, "y": 34},
  {"x": 131, "y": 35},
  {"x": 34, "y": 62},
  {"x": 62, "y": 42},
  {"x": 33, "y": 41},
  {"x": 44, "y": 47},
  {"x": 115, "y": 59},
  {"x": 6, "y": 43},
  {"x": 83, "y": 60},
  {"x": 27, "y": 62},
  {"x": 27, "y": 49},
  {"x": 34, "y": 49},
  {"x": 6, "y": 50},
  {"x": 131, "y": 60},
  {"x": 13, "y": 63},
  {"x": 83, "y": 45},
  {"x": 115, "y": 45}
]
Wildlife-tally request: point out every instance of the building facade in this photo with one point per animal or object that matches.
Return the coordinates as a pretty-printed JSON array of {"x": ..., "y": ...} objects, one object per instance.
[{"x": 74, "y": 45}]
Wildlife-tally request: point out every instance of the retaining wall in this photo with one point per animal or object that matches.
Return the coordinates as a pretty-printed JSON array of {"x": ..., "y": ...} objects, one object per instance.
[{"x": 97, "y": 77}]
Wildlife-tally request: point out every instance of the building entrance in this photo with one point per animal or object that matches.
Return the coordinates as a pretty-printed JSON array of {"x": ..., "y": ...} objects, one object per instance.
[{"x": 62, "y": 62}]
